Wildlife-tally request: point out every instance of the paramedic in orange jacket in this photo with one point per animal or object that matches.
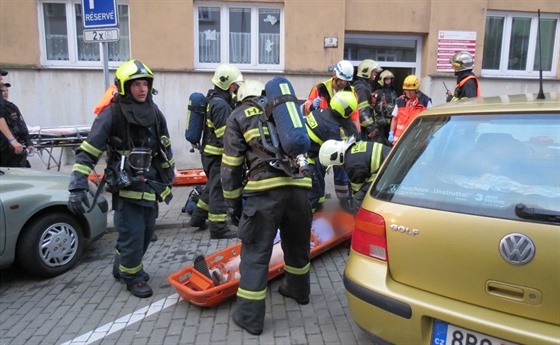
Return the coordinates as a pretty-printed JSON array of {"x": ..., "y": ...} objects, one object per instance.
[
  {"x": 408, "y": 107},
  {"x": 320, "y": 98},
  {"x": 467, "y": 83}
]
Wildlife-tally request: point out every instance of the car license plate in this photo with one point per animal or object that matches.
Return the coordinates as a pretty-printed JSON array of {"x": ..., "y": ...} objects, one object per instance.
[{"x": 446, "y": 334}]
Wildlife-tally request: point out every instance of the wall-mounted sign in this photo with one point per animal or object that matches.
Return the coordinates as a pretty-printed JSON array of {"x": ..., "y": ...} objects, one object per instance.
[
  {"x": 331, "y": 42},
  {"x": 450, "y": 42}
]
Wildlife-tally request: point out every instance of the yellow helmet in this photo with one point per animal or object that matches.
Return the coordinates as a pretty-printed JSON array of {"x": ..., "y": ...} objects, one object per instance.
[
  {"x": 130, "y": 70},
  {"x": 344, "y": 103},
  {"x": 250, "y": 88},
  {"x": 366, "y": 67},
  {"x": 225, "y": 75},
  {"x": 411, "y": 83}
]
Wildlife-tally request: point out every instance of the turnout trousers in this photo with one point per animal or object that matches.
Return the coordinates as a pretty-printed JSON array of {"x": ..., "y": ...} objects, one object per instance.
[
  {"x": 136, "y": 225},
  {"x": 285, "y": 208},
  {"x": 217, "y": 210}
]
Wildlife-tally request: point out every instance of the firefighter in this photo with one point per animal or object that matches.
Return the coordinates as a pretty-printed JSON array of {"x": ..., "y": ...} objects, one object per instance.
[
  {"x": 320, "y": 97},
  {"x": 272, "y": 200},
  {"x": 385, "y": 98},
  {"x": 361, "y": 160},
  {"x": 408, "y": 106},
  {"x": 322, "y": 125},
  {"x": 467, "y": 83},
  {"x": 363, "y": 85},
  {"x": 139, "y": 174},
  {"x": 221, "y": 101}
]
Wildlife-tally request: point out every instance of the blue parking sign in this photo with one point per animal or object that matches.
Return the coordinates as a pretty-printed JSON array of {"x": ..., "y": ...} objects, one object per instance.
[{"x": 99, "y": 13}]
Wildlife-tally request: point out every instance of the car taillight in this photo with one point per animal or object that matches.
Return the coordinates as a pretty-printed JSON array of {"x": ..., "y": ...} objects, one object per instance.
[{"x": 369, "y": 236}]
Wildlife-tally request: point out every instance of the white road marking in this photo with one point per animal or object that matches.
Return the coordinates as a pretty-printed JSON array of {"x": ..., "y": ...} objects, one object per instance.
[{"x": 123, "y": 322}]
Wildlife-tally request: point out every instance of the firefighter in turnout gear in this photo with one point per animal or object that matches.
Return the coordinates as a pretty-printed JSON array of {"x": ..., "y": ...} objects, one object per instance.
[
  {"x": 272, "y": 200},
  {"x": 385, "y": 98},
  {"x": 363, "y": 85},
  {"x": 322, "y": 125},
  {"x": 467, "y": 83},
  {"x": 361, "y": 160},
  {"x": 139, "y": 174},
  {"x": 320, "y": 97},
  {"x": 221, "y": 101}
]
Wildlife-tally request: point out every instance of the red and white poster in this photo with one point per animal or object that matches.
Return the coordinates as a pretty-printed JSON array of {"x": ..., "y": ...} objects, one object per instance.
[{"x": 450, "y": 42}]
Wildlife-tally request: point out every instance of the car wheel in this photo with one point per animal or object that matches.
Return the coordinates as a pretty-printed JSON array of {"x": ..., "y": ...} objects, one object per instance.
[{"x": 50, "y": 245}]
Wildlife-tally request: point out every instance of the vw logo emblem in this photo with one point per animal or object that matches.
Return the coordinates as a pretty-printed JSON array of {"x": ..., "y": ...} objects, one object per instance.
[{"x": 517, "y": 249}]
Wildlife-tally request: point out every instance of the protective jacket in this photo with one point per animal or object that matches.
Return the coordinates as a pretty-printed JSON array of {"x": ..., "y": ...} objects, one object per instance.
[
  {"x": 18, "y": 128},
  {"x": 364, "y": 90},
  {"x": 326, "y": 92},
  {"x": 385, "y": 98},
  {"x": 467, "y": 86},
  {"x": 407, "y": 111},
  {"x": 217, "y": 112},
  {"x": 362, "y": 161},
  {"x": 125, "y": 127},
  {"x": 16, "y": 124},
  {"x": 325, "y": 124},
  {"x": 244, "y": 149}
]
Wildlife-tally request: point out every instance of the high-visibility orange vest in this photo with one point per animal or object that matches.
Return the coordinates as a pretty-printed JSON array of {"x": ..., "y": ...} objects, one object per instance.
[{"x": 465, "y": 80}]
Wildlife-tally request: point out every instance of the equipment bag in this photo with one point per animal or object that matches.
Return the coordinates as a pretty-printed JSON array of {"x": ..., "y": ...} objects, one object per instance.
[
  {"x": 196, "y": 112},
  {"x": 284, "y": 110}
]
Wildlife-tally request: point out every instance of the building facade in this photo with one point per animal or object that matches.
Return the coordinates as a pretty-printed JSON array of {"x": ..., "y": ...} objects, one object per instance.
[{"x": 57, "y": 77}]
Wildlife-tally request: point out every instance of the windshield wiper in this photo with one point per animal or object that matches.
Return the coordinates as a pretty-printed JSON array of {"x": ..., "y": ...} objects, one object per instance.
[{"x": 522, "y": 211}]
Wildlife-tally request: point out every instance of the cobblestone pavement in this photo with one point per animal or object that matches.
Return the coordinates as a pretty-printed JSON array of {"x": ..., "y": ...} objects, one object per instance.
[{"x": 88, "y": 306}]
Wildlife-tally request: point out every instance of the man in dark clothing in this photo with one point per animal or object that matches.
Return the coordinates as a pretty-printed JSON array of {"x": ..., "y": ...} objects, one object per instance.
[
  {"x": 15, "y": 142},
  {"x": 322, "y": 125},
  {"x": 363, "y": 85},
  {"x": 385, "y": 98},
  {"x": 211, "y": 203},
  {"x": 467, "y": 83},
  {"x": 361, "y": 160},
  {"x": 139, "y": 174},
  {"x": 273, "y": 200}
]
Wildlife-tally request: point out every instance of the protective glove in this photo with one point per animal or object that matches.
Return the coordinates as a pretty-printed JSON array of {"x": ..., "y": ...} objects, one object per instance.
[
  {"x": 391, "y": 136},
  {"x": 77, "y": 200},
  {"x": 316, "y": 103}
]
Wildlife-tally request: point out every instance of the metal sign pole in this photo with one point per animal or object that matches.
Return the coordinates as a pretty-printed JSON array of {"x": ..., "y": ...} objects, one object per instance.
[{"x": 104, "y": 48}]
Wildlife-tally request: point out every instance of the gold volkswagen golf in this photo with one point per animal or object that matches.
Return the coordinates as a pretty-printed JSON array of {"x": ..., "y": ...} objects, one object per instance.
[{"x": 458, "y": 240}]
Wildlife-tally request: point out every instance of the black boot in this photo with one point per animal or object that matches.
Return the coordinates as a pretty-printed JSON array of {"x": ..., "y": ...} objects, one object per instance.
[
  {"x": 296, "y": 286},
  {"x": 249, "y": 315},
  {"x": 200, "y": 223},
  {"x": 284, "y": 292},
  {"x": 223, "y": 235},
  {"x": 140, "y": 289},
  {"x": 221, "y": 230}
]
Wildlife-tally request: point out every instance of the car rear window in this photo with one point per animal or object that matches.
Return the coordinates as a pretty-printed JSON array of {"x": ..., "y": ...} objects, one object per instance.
[{"x": 478, "y": 164}]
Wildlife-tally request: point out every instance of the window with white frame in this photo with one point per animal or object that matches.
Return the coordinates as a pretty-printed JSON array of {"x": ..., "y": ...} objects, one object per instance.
[
  {"x": 62, "y": 43},
  {"x": 511, "y": 44},
  {"x": 392, "y": 50},
  {"x": 247, "y": 35}
]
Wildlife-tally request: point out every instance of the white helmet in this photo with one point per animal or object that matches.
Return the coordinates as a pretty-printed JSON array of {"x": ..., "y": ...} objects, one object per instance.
[
  {"x": 250, "y": 88},
  {"x": 332, "y": 151},
  {"x": 226, "y": 75},
  {"x": 344, "y": 70}
]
